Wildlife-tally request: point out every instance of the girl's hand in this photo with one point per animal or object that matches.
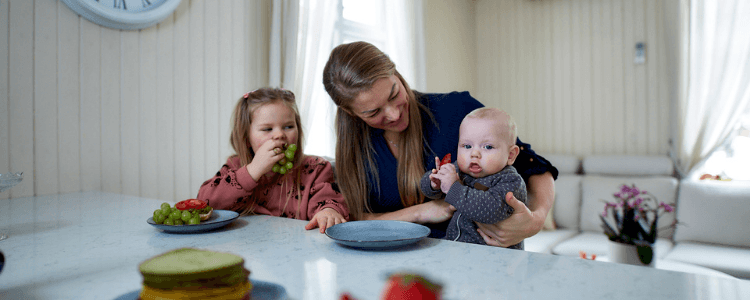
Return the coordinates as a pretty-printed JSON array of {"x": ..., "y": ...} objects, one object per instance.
[
  {"x": 435, "y": 211},
  {"x": 265, "y": 158},
  {"x": 325, "y": 218},
  {"x": 510, "y": 231},
  {"x": 447, "y": 176}
]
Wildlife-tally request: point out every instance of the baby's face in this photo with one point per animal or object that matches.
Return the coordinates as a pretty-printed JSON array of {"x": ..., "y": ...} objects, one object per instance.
[{"x": 482, "y": 148}]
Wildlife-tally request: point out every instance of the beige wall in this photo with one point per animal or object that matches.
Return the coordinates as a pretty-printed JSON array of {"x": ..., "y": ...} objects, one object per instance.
[
  {"x": 565, "y": 70},
  {"x": 84, "y": 107},
  {"x": 450, "y": 45}
]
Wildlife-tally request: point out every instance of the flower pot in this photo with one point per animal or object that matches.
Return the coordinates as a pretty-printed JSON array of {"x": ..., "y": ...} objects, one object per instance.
[{"x": 632, "y": 254}]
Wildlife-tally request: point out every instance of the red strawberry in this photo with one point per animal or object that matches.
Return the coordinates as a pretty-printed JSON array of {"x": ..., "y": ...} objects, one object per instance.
[
  {"x": 446, "y": 160},
  {"x": 410, "y": 286}
]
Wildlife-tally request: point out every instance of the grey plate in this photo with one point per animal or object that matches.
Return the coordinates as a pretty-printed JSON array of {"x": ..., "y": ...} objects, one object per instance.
[
  {"x": 261, "y": 290},
  {"x": 218, "y": 219},
  {"x": 377, "y": 234}
]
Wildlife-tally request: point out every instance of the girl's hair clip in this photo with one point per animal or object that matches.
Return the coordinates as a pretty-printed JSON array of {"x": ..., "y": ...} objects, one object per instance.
[{"x": 246, "y": 95}]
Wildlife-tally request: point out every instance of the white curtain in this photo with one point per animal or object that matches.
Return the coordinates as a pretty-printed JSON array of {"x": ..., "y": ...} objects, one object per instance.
[
  {"x": 315, "y": 42},
  {"x": 718, "y": 91},
  {"x": 303, "y": 34},
  {"x": 284, "y": 21},
  {"x": 405, "y": 40}
]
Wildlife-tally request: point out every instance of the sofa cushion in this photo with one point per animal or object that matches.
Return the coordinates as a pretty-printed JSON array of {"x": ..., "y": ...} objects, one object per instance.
[
  {"x": 714, "y": 212},
  {"x": 597, "y": 189},
  {"x": 627, "y": 165},
  {"x": 734, "y": 261},
  {"x": 565, "y": 163},
  {"x": 598, "y": 243},
  {"x": 543, "y": 241},
  {"x": 567, "y": 201}
]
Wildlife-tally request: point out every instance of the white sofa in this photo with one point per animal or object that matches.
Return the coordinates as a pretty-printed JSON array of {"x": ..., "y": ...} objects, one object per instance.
[{"x": 712, "y": 214}]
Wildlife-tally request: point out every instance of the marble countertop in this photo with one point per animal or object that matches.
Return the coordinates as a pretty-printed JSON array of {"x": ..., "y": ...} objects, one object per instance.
[{"x": 88, "y": 246}]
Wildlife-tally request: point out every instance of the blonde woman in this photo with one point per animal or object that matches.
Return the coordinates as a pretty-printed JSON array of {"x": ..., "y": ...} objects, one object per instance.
[{"x": 389, "y": 135}]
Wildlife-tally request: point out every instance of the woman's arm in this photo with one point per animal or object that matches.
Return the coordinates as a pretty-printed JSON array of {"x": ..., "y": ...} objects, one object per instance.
[
  {"x": 434, "y": 211},
  {"x": 525, "y": 221}
]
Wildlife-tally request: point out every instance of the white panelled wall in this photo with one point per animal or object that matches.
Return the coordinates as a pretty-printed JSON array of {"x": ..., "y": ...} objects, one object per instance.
[
  {"x": 565, "y": 70},
  {"x": 85, "y": 107}
]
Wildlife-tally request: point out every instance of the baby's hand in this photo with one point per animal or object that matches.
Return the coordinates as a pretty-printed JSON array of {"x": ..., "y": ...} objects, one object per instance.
[
  {"x": 434, "y": 181},
  {"x": 325, "y": 218},
  {"x": 447, "y": 176}
]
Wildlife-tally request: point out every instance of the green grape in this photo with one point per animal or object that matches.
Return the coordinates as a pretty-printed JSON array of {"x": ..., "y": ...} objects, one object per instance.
[
  {"x": 157, "y": 213},
  {"x": 292, "y": 147},
  {"x": 289, "y": 154},
  {"x": 282, "y": 170},
  {"x": 289, "y": 165},
  {"x": 165, "y": 206},
  {"x": 179, "y": 222},
  {"x": 282, "y": 161},
  {"x": 275, "y": 168},
  {"x": 176, "y": 214},
  {"x": 160, "y": 219},
  {"x": 186, "y": 216},
  {"x": 169, "y": 222},
  {"x": 194, "y": 220}
]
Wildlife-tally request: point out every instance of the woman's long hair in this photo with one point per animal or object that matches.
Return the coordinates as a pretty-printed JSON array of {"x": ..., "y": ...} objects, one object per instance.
[
  {"x": 242, "y": 118},
  {"x": 351, "y": 69}
]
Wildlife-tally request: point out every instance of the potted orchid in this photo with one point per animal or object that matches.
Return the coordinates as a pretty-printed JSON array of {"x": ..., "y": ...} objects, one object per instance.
[{"x": 631, "y": 223}]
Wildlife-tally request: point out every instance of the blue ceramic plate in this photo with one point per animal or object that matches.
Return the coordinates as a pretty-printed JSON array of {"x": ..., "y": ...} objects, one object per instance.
[
  {"x": 261, "y": 290},
  {"x": 218, "y": 219},
  {"x": 377, "y": 234}
]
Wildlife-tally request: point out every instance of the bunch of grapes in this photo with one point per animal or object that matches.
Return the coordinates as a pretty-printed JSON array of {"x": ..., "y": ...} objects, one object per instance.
[
  {"x": 170, "y": 215},
  {"x": 285, "y": 164}
]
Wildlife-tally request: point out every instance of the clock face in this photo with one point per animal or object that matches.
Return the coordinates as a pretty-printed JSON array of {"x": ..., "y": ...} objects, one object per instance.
[{"x": 124, "y": 14}]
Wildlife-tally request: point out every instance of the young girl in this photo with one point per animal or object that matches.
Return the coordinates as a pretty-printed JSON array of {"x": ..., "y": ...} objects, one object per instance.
[{"x": 265, "y": 122}]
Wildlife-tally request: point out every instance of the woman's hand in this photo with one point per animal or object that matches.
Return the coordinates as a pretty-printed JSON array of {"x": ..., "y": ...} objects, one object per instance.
[
  {"x": 434, "y": 211},
  {"x": 510, "y": 231},
  {"x": 264, "y": 159},
  {"x": 325, "y": 218},
  {"x": 524, "y": 222}
]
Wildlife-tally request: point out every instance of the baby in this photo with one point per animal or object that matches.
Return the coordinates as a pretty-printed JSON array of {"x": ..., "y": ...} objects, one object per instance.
[{"x": 486, "y": 152}]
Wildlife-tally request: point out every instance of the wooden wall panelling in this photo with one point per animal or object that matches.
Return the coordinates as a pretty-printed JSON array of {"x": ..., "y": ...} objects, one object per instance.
[
  {"x": 225, "y": 96},
  {"x": 582, "y": 76},
  {"x": 182, "y": 162},
  {"x": 111, "y": 129},
  {"x": 4, "y": 113},
  {"x": 69, "y": 99},
  {"x": 130, "y": 113},
  {"x": 199, "y": 170},
  {"x": 165, "y": 109},
  {"x": 239, "y": 66},
  {"x": 148, "y": 141},
  {"x": 563, "y": 114},
  {"x": 212, "y": 125},
  {"x": 91, "y": 106},
  {"x": 45, "y": 100},
  {"x": 616, "y": 105},
  {"x": 20, "y": 95}
]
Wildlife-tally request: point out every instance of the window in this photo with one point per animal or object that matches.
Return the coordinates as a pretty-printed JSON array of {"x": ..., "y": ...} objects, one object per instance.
[{"x": 732, "y": 159}]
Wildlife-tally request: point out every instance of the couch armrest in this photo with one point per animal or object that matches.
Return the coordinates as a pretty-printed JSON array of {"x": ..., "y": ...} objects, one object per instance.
[{"x": 714, "y": 212}]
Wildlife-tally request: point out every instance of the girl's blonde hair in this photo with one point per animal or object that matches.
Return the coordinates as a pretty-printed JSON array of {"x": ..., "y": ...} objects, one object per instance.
[
  {"x": 351, "y": 69},
  {"x": 242, "y": 118}
]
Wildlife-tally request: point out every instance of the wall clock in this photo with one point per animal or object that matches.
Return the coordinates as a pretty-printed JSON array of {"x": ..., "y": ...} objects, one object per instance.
[{"x": 124, "y": 14}]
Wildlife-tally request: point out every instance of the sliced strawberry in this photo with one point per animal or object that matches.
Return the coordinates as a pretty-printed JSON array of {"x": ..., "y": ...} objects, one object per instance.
[
  {"x": 411, "y": 286},
  {"x": 446, "y": 160}
]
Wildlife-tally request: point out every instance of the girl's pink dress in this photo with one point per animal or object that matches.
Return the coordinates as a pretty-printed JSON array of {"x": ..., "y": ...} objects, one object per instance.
[{"x": 233, "y": 188}]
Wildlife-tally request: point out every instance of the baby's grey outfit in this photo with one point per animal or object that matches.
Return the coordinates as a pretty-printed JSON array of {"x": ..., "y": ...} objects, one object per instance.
[{"x": 478, "y": 199}]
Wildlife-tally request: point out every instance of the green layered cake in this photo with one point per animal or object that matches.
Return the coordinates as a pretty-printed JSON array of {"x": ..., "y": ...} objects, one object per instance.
[{"x": 189, "y": 273}]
